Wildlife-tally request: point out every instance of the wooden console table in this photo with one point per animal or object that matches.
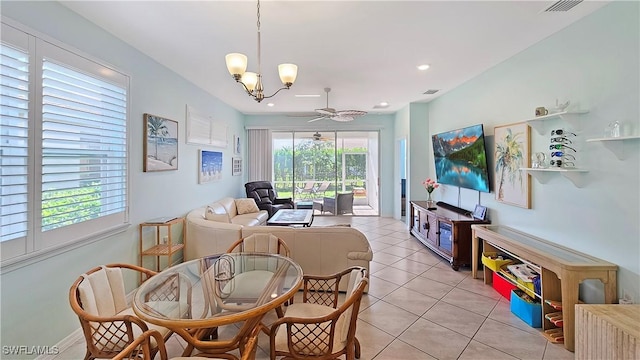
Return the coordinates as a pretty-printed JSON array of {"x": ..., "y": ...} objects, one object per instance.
[
  {"x": 445, "y": 232},
  {"x": 561, "y": 270}
]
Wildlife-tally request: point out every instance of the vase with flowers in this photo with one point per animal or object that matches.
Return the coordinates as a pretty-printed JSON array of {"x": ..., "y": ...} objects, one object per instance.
[{"x": 430, "y": 185}]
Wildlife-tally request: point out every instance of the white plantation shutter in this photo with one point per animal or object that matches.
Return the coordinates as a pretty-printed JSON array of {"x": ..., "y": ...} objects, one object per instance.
[
  {"x": 64, "y": 147},
  {"x": 14, "y": 143},
  {"x": 84, "y": 164}
]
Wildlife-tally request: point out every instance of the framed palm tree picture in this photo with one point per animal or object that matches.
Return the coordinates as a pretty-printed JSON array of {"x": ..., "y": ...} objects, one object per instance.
[
  {"x": 160, "y": 144},
  {"x": 512, "y": 152}
]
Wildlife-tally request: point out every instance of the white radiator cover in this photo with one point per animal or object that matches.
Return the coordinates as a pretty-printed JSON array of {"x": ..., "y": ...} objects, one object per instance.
[{"x": 609, "y": 332}]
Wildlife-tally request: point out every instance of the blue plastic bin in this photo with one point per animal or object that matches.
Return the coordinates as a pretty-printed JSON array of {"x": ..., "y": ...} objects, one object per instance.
[{"x": 531, "y": 313}]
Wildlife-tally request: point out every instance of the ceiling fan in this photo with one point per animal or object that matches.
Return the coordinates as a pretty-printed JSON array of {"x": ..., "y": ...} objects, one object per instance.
[
  {"x": 318, "y": 138},
  {"x": 336, "y": 115}
]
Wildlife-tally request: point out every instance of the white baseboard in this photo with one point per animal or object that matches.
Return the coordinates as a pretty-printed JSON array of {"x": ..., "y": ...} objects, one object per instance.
[{"x": 65, "y": 344}]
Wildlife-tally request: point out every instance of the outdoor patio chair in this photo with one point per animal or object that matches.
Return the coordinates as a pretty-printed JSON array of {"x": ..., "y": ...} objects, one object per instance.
[
  {"x": 321, "y": 189},
  {"x": 306, "y": 191}
]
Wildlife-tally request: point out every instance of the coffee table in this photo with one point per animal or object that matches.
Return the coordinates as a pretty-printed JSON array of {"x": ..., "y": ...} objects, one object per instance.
[{"x": 286, "y": 217}]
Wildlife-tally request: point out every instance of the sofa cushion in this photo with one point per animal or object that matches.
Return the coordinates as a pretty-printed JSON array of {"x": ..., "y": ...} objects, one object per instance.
[
  {"x": 246, "y": 206},
  {"x": 251, "y": 219},
  {"x": 216, "y": 212},
  {"x": 229, "y": 205}
]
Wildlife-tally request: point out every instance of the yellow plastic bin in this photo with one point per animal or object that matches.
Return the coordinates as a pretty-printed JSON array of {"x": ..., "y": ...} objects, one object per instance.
[{"x": 490, "y": 260}]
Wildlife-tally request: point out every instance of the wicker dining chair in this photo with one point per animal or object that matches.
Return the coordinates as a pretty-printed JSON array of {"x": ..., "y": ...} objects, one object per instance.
[
  {"x": 261, "y": 243},
  {"x": 108, "y": 323},
  {"x": 317, "y": 328},
  {"x": 142, "y": 349}
]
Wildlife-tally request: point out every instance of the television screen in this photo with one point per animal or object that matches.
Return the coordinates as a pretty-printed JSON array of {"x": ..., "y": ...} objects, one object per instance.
[{"x": 461, "y": 158}]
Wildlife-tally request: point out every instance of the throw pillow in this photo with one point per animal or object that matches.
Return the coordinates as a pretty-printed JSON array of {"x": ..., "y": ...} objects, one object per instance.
[
  {"x": 210, "y": 214},
  {"x": 246, "y": 206}
]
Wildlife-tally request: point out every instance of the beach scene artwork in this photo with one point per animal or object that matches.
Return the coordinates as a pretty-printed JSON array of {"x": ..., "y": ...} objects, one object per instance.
[
  {"x": 210, "y": 166},
  {"x": 161, "y": 144}
]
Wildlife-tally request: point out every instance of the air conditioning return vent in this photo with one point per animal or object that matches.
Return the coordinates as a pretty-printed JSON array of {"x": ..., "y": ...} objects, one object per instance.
[
  {"x": 430, "y": 92},
  {"x": 563, "y": 5}
]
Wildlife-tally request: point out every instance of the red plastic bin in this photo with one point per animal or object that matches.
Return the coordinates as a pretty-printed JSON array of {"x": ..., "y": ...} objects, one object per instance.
[{"x": 503, "y": 286}]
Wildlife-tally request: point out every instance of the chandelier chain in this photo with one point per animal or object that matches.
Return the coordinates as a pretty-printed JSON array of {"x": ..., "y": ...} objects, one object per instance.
[
  {"x": 258, "y": 23},
  {"x": 259, "y": 50}
]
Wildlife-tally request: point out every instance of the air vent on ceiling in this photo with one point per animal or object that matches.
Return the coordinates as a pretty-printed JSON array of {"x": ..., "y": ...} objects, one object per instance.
[
  {"x": 563, "y": 5},
  {"x": 430, "y": 92}
]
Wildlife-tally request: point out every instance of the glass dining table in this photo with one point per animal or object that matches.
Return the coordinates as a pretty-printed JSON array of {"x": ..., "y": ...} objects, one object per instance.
[{"x": 196, "y": 297}]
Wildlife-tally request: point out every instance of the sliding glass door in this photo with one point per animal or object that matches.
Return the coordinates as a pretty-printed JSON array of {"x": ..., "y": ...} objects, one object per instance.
[{"x": 332, "y": 172}]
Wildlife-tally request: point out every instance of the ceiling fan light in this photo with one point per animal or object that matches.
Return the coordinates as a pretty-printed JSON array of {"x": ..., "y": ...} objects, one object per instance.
[
  {"x": 288, "y": 73},
  {"x": 250, "y": 80},
  {"x": 236, "y": 64}
]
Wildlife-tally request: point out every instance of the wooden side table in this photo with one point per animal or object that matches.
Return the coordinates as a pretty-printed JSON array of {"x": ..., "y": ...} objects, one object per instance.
[{"x": 161, "y": 248}]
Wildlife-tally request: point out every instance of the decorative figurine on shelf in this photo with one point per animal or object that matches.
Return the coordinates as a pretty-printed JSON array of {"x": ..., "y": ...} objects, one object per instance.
[{"x": 430, "y": 185}]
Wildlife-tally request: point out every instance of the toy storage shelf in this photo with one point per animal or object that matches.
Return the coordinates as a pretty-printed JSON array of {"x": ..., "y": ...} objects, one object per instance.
[{"x": 561, "y": 271}]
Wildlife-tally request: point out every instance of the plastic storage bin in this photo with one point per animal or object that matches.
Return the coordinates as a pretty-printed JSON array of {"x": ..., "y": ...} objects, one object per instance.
[
  {"x": 503, "y": 286},
  {"x": 531, "y": 313},
  {"x": 489, "y": 259}
]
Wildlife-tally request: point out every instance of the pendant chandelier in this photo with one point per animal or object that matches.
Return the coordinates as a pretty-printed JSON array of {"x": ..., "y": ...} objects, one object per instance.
[{"x": 252, "y": 82}]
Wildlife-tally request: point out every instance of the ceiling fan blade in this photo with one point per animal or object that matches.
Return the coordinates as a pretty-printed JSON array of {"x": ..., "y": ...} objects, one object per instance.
[
  {"x": 326, "y": 111},
  {"x": 351, "y": 113},
  {"x": 342, "y": 118},
  {"x": 318, "y": 118}
]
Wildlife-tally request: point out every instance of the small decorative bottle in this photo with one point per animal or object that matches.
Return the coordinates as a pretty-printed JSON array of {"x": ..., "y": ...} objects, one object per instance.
[{"x": 615, "y": 129}]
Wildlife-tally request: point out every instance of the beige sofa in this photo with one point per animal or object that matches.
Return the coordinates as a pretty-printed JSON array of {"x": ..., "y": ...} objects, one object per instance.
[
  {"x": 213, "y": 232},
  {"x": 318, "y": 250}
]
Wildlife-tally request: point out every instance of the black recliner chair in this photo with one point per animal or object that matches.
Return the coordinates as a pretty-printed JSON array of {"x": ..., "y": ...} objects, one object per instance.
[{"x": 266, "y": 198}]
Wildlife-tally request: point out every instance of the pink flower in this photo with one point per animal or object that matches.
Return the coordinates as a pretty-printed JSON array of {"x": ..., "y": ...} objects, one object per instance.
[{"x": 430, "y": 185}]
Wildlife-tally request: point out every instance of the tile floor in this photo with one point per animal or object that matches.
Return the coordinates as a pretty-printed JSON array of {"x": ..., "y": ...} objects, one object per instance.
[{"x": 419, "y": 308}]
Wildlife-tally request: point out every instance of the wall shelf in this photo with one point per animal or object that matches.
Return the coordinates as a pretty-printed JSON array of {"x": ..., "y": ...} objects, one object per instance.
[
  {"x": 616, "y": 145},
  {"x": 576, "y": 176},
  {"x": 570, "y": 117}
]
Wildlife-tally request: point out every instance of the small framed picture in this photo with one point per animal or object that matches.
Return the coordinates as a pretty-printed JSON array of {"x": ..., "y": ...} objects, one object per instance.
[
  {"x": 236, "y": 166},
  {"x": 210, "y": 166},
  {"x": 480, "y": 212},
  {"x": 160, "y": 144},
  {"x": 237, "y": 147}
]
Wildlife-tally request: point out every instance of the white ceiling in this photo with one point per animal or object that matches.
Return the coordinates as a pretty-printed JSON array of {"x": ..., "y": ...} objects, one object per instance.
[{"x": 366, "y": 51}]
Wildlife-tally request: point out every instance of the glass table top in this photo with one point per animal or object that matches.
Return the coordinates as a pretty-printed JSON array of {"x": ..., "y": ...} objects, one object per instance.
[{"x": 216, "y": 287}]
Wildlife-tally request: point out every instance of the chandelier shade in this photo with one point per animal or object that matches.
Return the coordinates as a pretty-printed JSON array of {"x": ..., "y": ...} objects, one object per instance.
[
  {"x": 236, "y": 63},
  {"x": 251, "y": 81}
]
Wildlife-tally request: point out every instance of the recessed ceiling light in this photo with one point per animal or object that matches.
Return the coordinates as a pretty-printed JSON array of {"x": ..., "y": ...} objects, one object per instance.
[
  {"x": 271, "y": 104},
  {"x": 423, "y": 67},
  {"x": 381, "y": 105},
  {"x": 307, "y": 95}
]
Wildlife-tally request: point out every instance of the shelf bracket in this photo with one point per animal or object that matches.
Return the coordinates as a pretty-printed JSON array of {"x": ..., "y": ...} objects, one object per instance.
[
  {"x": 577, "y": 177},
  {"x": 542, "y": 177}
]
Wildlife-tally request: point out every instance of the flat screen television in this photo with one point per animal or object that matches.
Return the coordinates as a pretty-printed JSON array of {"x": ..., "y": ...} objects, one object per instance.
[{"x": 461, "y": 158}]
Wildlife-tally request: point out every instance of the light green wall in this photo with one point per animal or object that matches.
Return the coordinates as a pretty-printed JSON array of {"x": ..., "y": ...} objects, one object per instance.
[
  {"x": 594, "y": 64},
  {"x": 35, "y": 307}
]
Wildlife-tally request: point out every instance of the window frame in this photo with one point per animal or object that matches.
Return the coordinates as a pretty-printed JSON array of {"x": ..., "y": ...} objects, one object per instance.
[{"x": 37, "y": 245}]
